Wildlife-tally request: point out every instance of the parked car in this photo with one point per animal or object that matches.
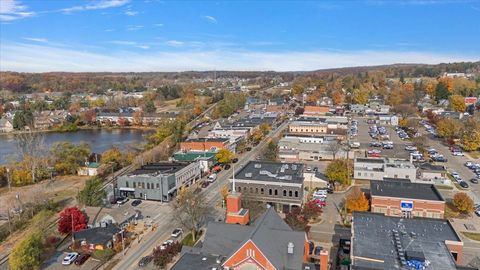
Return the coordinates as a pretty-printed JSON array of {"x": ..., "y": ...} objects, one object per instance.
[
  {"x": 227, "y": 167},
  {"x": 375, "y": 144},
  {"x": 177, "y": 232},
  {"x": 458, "y": 153},
  {"x": 70, "y": 258},
  {"x": 136, "y": 202},
  {"x": 145, "y": 261},
  {"x": 474, "y": 180},
  {"x": 410, "y": 148},
  {"x": 212, "y": 177},
  {"x": 463, "y": 184},
  {"x": 205, "y": 184},
  {"x": 317, "y": 250},
  {"x": 122, "y": 200},
  {"x": 81, "y": 259}
]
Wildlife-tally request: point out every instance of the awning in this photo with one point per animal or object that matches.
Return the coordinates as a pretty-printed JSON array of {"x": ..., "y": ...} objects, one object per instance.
[{"x": 126, "y": 189}]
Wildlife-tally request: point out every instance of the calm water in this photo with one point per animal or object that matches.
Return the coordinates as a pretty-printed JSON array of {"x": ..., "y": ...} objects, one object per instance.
[{"x": 99, "y": 140}]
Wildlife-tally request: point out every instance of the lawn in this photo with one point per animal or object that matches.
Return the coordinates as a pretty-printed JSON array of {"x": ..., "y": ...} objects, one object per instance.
[
  {"x": 188, "y": 241},
  {"x": 451, "y": 211},
  {"x": 474, "y": 154},
  {"x": 444, "y": 187},
  {"x": 473, "y": 236}
]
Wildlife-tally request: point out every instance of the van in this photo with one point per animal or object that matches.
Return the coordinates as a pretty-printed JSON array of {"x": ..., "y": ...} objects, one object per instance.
[{"x": 212, "y": 177}]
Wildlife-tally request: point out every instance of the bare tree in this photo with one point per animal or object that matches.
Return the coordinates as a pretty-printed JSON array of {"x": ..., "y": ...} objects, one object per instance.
[
  {"x": 31, "y": 150},
  {"x": 191, "y": 209},
  {"x": 334, "y": 147}
]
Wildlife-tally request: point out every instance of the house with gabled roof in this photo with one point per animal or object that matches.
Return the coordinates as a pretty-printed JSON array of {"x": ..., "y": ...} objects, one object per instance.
[{"x": 268, "y": 243}]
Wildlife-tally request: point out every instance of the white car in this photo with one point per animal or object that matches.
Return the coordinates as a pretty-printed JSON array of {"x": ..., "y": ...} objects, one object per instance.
[
  {"x": 458, "y": 153},
  {"x": 70, "y": 258},
  {"x": 177, "y": 232}
]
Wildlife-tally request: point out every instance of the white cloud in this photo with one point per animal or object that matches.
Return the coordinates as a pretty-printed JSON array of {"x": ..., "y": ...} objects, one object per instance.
[
  {"x": 11, "y": 10},
  {"x": 210, "y": 19},
  {"x": 159, "y": 24},
  {"x": 102, "y": 4},
  {"x": 43, "y": 40},
  {"x": 42, "y": 58},
  {"x": 175, "y": 43},
  {"x": 109, "y": 30},
  {"x": 131, "y": 13},
  {"x": 134, "y": 27},
  {"x": 130, "y": 43}
]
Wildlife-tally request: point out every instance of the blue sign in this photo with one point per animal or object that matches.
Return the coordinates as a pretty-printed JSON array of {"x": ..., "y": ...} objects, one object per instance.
[{"x": 406, "y": 205}]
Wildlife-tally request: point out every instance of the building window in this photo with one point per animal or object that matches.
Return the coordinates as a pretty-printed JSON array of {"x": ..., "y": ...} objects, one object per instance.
[
  {"x": 296, "y": 194},
  {"x": 256, "y": 190},
  {"x": 276, "y": 192},
  {"x": 134, "y": 184},
  {"x": 251, "y": 190},
  {"x": 244, "y": 189},
  {"x": 359, "y": 174},
  {"x": 148, "y": 185},
  {"x": 158, "y": 186},
  {"x": 290, "y": 193},
  {"x": 284, "y": 193},
  {"x": 126, "y": 183},
  {"x": 407, "y": 176},
  {"x": 262, "y": 191},
  {"x": 269, "y": 191},
  {"x": 239, "y": 189}
]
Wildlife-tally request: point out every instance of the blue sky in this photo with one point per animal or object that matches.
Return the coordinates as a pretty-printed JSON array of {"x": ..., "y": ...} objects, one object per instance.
[{"x": 152, "y": 35}]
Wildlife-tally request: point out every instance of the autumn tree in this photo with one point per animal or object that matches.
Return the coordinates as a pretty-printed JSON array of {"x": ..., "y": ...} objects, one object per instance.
[
  {"x": 298, "y": 218},
  {"x": 457, "y": 103},
  {"x": 271, "y": 151},
  {"x": 339, "y": 171},
  {"x": 338, "y": 97},
  {"x": 68, "y": 157},
  {"x": 27, "y": 254},
  {"x": 357, "y": 201},
  {"x": 470, "y": 139},
  {"x": 441, "y": 91},
  {"x": 360, "y": 96},
  {"x": 113, "y": 156},
  {"x": 463, "y": 203},
  {"x": 71, "y": 219},
  {"x": 224, "y": 156},
  {"x": 149, "y": 107},
  {"x": 449, "y": 128},
  {"x": 93, "y": 193},
  {"x": 265, "y": 128},
  {"x": 191, "y": 209}
]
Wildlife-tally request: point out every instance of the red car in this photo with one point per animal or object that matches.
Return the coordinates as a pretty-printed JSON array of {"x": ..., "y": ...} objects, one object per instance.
[
  {"x": 320, "y": 203},
  {"x": 81, "y": 259}
]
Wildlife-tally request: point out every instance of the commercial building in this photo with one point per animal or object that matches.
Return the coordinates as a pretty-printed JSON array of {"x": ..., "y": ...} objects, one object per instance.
[
  {"x": 316, "y": 110},
  {"x": 296, "y": 149},
  {"x": 382, "y": 242},
  {"x": 406, "y": 199},
  {"x": 269, "y": 243},
  {"x": 379, "y": 168},
  {"x": 317, "y": 128},
  {"x": 158, "y": 181},
  {"x": 277, "y": 184},
  {"x": 205, "y": 144},
  {"x": 433, "y": 173}
]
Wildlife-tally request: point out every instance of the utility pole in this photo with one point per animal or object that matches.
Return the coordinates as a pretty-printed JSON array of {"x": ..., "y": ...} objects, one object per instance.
[{"x": 8, "y": 180}]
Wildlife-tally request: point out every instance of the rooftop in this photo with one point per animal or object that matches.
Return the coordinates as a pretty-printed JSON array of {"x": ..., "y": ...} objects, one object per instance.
[
  {"x": 207, "y": 140},
  {"x": 98, "y": 235},
  {"x": 370, "y": 160},
  {"x": 403, "y": 189},
  {"x": 432, "y": 167},
  {"x": 160, "y": 168},
  {"x": 381, "y": 242},
  {"x": 272, "y": 172}
]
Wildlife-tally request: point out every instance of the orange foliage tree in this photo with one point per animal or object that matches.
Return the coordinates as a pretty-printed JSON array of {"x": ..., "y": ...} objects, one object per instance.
[{"x": 357, "y": 201}]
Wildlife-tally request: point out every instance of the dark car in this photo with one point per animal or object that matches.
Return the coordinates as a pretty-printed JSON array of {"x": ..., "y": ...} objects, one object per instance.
[
  {"x": 227, "y": 167},
  {"x": 235, "y": 160},
  {"x": 311, "y": 246},
  {"x": 81, "y": 259},
  {"x": 463, "y": 184},
  {"x": 474, "y": 180},
  {"x": 248, "y": 149},
  {"x": 317, "y": 250},
  {"x": 136, "y": 202},
  {"x": 145, "y": 261},
  {"x": 205, "y": 184}
]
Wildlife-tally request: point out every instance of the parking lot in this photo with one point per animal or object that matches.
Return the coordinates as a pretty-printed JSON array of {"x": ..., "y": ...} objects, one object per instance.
[{"x": 364, "y": 139}]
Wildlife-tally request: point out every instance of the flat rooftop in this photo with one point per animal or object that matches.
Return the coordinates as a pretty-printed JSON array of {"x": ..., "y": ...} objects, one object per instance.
[
  {"x": 269, "y": 171},
  {"x": 370, "y": 160},
  {"x": 407, "y": 190},
  {"x": 432, "y": 167},
  {"x": 160, "y": 168},
  {"x": 210, "y": 139},
  {"x": 381, "y": 242}
]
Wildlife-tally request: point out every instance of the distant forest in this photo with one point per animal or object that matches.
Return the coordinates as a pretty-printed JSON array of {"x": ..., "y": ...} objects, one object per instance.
[{"x": 101, "y": 81}]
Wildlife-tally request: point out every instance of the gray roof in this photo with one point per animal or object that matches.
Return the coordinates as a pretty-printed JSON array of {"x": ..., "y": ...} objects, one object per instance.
[
  {"x": 269, "y": 233},
  {"x": 198, "y": 261},
  {"x": 160, "y": 168},
  {"x": 407, "y": 190},
  {"x": 432, "y": 167},
  {"x": 374, "y": 238},
  {"x": 98, "y": 235},
  {"x": 370, "y": 160},
  {"x": 272, "y": 172}
]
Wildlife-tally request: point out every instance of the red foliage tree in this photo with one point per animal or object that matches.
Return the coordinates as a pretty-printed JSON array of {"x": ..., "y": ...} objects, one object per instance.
[
  {"x": 90, "y": 116},
  {"x": 71, "y": 218},
  {"x": 123, "y": 122}
]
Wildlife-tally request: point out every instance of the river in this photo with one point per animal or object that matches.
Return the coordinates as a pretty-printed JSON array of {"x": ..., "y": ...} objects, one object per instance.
[{"x": 98, "y": 139}]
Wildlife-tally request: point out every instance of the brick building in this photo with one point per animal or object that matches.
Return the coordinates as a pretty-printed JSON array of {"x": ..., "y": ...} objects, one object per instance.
[
  {"x": 277, "y": 184},
  {"x": 205, "y": 144},
  {"x": 406, "y": 199},
  {"x": 316, "y": 110}
]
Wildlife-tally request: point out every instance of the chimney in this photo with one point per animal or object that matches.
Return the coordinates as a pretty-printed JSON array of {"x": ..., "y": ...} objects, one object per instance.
[
  {"x": 324, "y": 260},
  {"x": 290, "y": 247}
]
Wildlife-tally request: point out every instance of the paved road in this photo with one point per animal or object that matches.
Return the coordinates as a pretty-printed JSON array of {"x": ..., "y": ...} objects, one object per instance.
[{"x": 166, "y": 223}]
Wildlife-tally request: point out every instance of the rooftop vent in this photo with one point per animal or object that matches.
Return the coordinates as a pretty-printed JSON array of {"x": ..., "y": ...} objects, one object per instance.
[
  {"x": 257, "y": 166},
  {"x": 290, "y": 247},
  {"x": 204, "y": 258},
  {"x": 248, "y": 175}
]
